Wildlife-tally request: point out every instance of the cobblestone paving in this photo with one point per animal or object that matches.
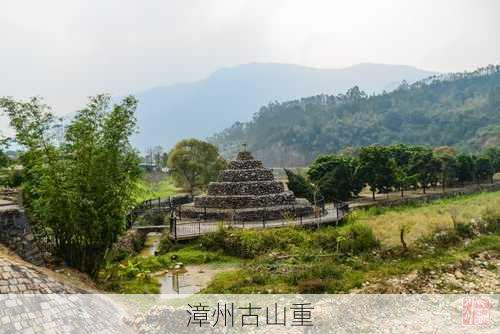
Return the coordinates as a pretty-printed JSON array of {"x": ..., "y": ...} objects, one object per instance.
[
  {"x": 18, "y": 278},
  {"x": 33, "y": 302}
]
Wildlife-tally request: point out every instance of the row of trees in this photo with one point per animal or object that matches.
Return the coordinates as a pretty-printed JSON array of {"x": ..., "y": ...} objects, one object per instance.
[
  {"x": 77, "y": 190},
  {"x": 396, "y": 167}
]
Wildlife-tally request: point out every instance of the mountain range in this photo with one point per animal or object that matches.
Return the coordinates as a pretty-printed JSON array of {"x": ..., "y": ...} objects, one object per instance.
[
  {"x": 200, "y": 109},
  {"x": 461, "y": 110}
]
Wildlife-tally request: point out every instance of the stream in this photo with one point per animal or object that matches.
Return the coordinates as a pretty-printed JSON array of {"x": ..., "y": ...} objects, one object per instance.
[
  {"x": 151, "y": 244},
  {"x": 181, "y": 280}
]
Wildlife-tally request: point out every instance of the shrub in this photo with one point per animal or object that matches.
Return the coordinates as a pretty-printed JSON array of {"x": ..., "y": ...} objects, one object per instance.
[
  {"x": 300, "y": 186},
  {"x": 326, "y": 238},
  {"x": 15, "y": 178},
  {"x": 464, "y": 230},
  {"x": 215, "y": 240},
  {"x": 446, "y": 238},
  {"x": 166, "y": 244},
  {"x": 358, "y": 238},
  {"x": 315, "y": 285},
  {"x": 151, "y": 218},
  {"x": 127, "y": 245},
  {"x": 252, "y": 243},
  {"x": 491, "y": 217}
]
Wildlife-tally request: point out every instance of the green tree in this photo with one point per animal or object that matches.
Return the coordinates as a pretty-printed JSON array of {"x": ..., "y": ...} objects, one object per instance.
[
  {"x": 4, "y": 159},
  {"x": 484, "y": 169},
  {"x": 300, "y": 186},
  {"x": 464, "y": 168},
  {"x": 378, "y": 168},
  {"x": 194, "y": 163},
  {"x": 80, "y": 191},
  {"x": 425, "y": 167},
  {"x": 404, "y": 176},
  {"x": 494, "y": 154},
  {"x": 337, "y": 177},
  {"x": 447, "y": 165}
]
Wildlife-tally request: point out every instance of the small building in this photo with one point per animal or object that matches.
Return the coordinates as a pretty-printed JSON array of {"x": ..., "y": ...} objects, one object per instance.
[{"x": 148, "y": 167}]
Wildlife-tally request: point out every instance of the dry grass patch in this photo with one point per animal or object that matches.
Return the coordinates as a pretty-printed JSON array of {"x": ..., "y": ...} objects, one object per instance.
[{"x": 423, "y": 220}]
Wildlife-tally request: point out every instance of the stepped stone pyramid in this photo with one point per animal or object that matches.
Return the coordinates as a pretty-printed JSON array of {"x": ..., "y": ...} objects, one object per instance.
[{"x": 246, "y": 191}]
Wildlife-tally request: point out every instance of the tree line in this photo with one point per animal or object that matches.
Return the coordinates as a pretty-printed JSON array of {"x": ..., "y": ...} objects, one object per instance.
[{"x": 340, "y": 177}]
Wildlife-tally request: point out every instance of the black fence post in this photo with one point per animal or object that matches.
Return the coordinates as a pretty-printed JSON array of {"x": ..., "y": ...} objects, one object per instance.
[
  {"x": 199, "y": 227},
  {"x": 180, "y": 212},
  {"x": 175, "y": 228},
  {"x": 205, "y": 212}
]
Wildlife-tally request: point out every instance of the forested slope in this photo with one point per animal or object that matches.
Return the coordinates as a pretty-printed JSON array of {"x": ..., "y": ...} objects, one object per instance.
[{"x": 460, "y": 110}]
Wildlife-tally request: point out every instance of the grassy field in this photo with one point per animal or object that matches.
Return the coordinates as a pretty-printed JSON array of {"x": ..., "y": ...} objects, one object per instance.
[
  {"x": 423, "y": 220},
  {"x": 328, "y": 259},
  {"x": 155, "y": 186},
  {"x": 311, "y": 261},
  {"x": 333, "y": 274}
]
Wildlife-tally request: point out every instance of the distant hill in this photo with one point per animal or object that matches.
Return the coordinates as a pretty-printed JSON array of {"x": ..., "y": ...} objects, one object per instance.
[
  {"x": 199, "y": 109},
  {"x": 460, "y": 110}
]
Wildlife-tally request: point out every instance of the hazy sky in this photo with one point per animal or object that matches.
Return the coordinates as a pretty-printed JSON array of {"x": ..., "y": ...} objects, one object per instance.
[{"x": 67, "y": 50}]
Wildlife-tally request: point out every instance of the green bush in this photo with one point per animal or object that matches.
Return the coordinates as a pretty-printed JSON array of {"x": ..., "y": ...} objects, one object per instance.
[
  {"x": 357, "y": 238},
  {"x": 464, "y": 230},
  {"x": 300, "y": 186},
  {"x": 252, "y": 243},
  {"x": 325, "y": 238},
  {"x": 447, "y": 238},
  {"x": 491, "y": 218},
  {"x": 166, "y": 244},
  {"x": 215, "y": 240},
  {"x": 15, "y": 178},
  {"x": 127, "y": 245}
]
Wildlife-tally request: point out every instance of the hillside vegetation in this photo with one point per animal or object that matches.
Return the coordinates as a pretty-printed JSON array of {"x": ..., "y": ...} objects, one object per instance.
[
  {"x": 461, "y": 110},
  {"x": 199, "y": 109}
]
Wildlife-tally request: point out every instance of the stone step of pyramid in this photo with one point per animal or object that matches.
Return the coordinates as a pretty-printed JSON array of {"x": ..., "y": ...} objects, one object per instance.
[
  {"x": 245, "y": 164},
  {"x": 240, "y": 175},
  {"x": 245, "y": 188},
  {"x": 245, "y": 201},
  {"x": 301, "y": 208}
]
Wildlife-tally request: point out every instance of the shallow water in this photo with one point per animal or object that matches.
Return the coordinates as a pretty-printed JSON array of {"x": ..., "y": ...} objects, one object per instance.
[
  {"x": 177, "y": 282},
  {"x": 151, "y": 244}
]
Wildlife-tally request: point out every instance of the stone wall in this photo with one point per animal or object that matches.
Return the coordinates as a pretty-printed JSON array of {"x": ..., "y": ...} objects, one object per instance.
[
  {"x": 15, "y": 233},
  {"x": 240, "y": 175},
  {"x": 245, "y": 164},
  {"x": 300, "y": 208},
  {"x": 245, "y": 188},
  {"x": 250, "y": 201}
]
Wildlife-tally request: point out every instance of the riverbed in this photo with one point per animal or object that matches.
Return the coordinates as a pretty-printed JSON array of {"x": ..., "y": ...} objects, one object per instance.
[{"x": 185, "y": 280}]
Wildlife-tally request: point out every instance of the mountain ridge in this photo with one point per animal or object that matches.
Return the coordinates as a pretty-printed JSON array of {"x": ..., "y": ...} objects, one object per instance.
[
  {"x": 201, "y": 108},
  {"x": 455, "y": 109}
]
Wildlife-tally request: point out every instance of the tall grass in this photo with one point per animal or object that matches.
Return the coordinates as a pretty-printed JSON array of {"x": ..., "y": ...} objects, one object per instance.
[{"x": 424, "y": 219}]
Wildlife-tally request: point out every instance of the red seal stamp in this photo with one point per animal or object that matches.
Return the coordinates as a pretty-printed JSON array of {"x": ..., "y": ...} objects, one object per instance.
[{"x": 476, "y": 311}]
